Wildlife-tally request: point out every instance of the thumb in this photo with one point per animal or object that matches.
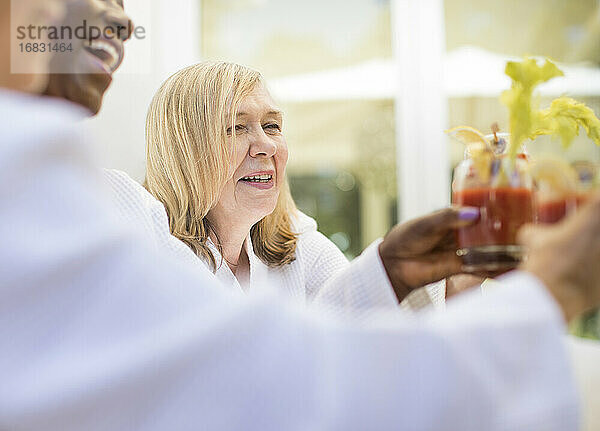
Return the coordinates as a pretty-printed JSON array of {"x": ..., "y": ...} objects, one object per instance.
[
  {"x": 453, "y": 218},
  {"x": 422, "y": 235}
]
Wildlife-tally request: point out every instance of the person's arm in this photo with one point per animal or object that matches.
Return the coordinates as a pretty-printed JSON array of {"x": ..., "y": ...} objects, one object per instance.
[
  {"x": 362, "y": 288},
  {"x": 419, "y": 253},
  {"x": 98, "y": 331}
]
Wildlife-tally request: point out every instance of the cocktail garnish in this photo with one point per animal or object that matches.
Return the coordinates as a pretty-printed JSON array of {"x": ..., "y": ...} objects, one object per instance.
[
  {"x": 526, "y": 76},
  {"x": 498, "y": 144},
  {"x": 495, "y": 130},
  {"x": 477, "y": 147},
  {"x": 467, "y": 135},
  {"x": 563, "y": 118}
]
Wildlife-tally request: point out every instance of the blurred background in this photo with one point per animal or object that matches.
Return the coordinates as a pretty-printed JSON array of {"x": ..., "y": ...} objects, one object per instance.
[{"x": 367, "y": 87}]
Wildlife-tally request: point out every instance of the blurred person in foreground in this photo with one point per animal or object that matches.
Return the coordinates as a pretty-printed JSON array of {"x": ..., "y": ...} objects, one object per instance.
[{"x": 103, "y": 331}]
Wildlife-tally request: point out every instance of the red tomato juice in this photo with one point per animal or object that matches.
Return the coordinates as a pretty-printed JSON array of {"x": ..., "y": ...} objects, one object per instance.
[
  {"x": 502, "y": 210},
  {"x": 554, "y": 211}
]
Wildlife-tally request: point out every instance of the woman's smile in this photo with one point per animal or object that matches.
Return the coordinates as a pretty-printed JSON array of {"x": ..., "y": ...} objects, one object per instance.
[{"x": 260, "y": 180}]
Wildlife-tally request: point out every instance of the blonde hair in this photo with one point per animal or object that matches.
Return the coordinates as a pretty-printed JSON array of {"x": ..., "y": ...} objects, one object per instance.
[{"x": 188, "y": 158}]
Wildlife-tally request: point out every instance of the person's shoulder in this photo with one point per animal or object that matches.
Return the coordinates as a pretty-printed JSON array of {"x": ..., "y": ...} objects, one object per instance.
[
  {"x": 125, "y": 187},
  {"x": 35, "y": 127},
  {"x": 317, "y": 257},
  {"x": 26, "y": 114},
  {"x": 122, "y": 179},
  {"x": 312, "y": 244},
  {"x": 29, "y": 121},
  {"x": 303, "y": 224},
  {"x": 306, "y": 229}
]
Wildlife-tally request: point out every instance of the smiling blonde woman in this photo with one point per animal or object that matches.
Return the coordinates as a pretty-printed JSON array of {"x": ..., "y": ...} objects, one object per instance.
[{"x": 216, "y": 159}]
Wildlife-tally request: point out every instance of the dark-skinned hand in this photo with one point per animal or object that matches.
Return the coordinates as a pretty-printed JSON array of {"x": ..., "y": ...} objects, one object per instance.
[{"x": 423, "y": 250}]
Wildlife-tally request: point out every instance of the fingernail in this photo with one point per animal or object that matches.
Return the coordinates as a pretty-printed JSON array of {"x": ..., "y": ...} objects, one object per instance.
[{"x": 468, "y": 213}]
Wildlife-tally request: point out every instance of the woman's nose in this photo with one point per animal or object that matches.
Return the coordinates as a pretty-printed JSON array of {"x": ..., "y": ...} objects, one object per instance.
[{"x": 262, "y": 146}]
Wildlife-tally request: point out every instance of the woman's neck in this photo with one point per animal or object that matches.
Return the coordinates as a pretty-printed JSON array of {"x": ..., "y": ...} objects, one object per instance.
[{"x": 231, "y": 240}]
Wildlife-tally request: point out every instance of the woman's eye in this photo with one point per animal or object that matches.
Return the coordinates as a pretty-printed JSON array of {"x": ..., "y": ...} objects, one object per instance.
[
  {"x": 238, "y": 128},
  {"x": 272, "y": 127}
]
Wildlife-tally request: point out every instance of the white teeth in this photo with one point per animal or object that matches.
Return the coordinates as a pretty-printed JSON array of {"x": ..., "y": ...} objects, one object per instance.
[
  {"x": 258, "y": 178},
  {"x": 101, "y": 45}
]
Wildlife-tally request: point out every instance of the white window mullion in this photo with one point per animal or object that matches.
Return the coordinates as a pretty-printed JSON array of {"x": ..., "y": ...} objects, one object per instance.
[{"x": 421, "y": 106}]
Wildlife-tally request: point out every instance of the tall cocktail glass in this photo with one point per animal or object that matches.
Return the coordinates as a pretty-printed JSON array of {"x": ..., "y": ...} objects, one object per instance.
[
  {"x": 561, "y": 189},
  {"x": 502, "y": 189}
]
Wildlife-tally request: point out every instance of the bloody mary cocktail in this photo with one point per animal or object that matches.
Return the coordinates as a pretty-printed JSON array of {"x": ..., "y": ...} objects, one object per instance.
[
  {"x": 503, "y": 194},
  {"x": 553, "y": 211},
  {"x": 491, "y": 243},
  {"x": 497, "y": 180},
  {"x": 502, "y": 213},
  {"x": 561, "y": 189}
]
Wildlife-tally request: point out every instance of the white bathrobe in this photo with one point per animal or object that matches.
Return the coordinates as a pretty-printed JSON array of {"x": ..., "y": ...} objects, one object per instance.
[
  {"x": 99, "y": 330},
  {"x": 317, "y": 258}
]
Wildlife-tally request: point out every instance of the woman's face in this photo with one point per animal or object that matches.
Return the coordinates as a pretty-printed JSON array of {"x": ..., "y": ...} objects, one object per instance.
[{"x": 259, "y": 159}]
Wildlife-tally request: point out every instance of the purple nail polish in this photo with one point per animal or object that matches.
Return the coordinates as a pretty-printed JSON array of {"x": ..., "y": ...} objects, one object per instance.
[{"x": 468, "y": 213}]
